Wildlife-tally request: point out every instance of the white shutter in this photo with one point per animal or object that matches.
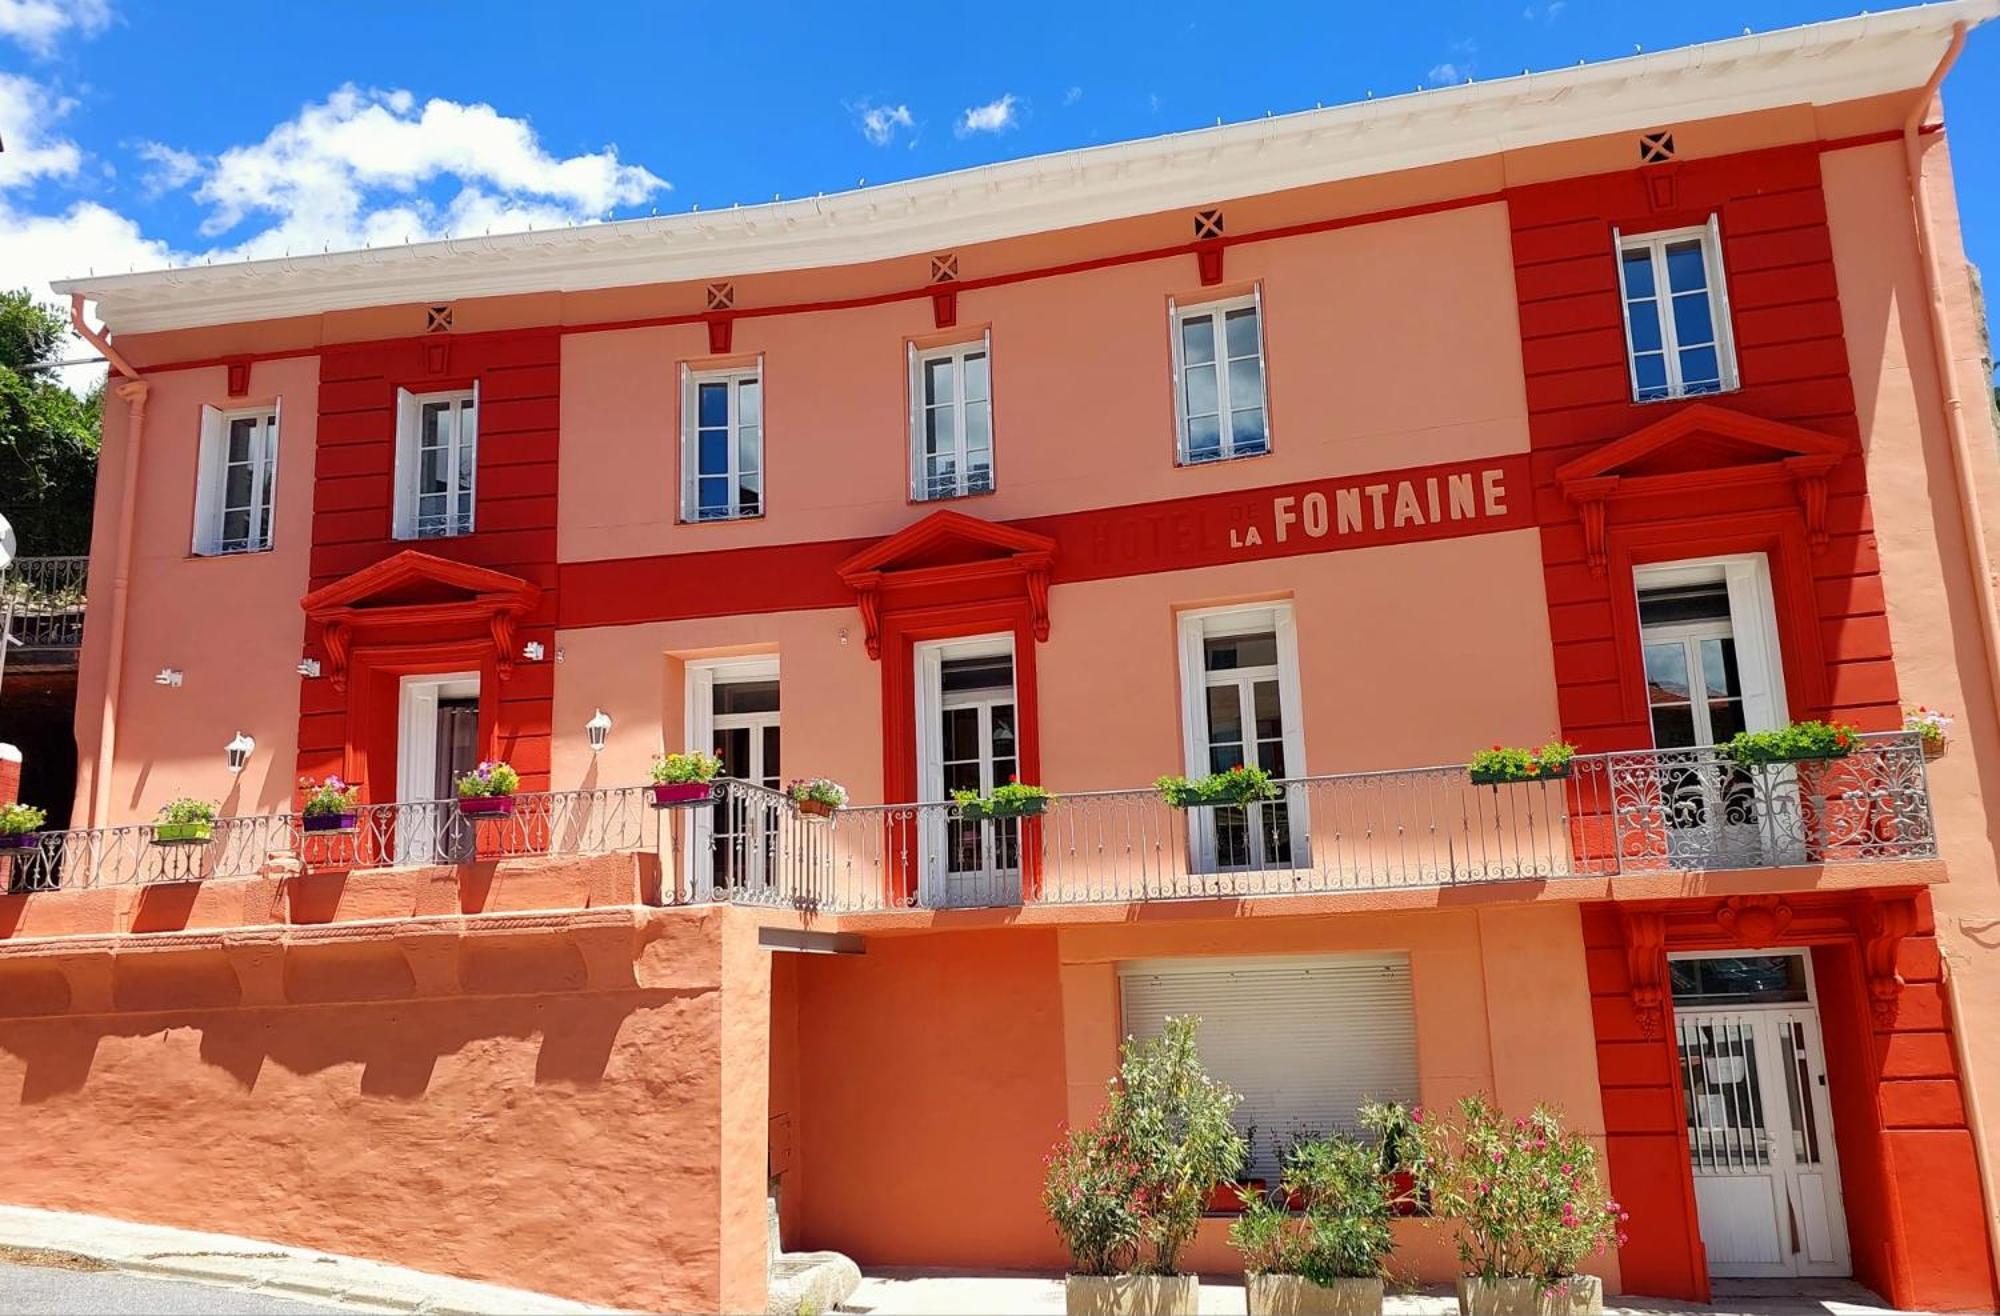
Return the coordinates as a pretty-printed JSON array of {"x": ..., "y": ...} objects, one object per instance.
[
  {"x": 1306, "y": 1040},
  {"x": 210, "y": 457},
  {"x": 403, "y": 515}
]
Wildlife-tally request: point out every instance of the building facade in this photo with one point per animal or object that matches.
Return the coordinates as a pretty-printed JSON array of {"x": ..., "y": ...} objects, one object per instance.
[{"x": 1633, "y": 405}]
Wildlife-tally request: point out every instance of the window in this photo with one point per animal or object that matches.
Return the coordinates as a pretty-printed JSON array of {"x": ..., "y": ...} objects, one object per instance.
[
  {"x": 722, "y": 444},
  {"x": 1709, "y": 643},
  {"x": 1677, "y": 333},
  {"x": 237, "y": 481},
  {"x": 1306, "y": 1040},
  {"x": 732, "y": 710},
  {"x": 1711, "y": 980},
  {"x": 951, "y": 414},
  {"x": 1219, "y": 380},
  {"x": 967, "y": 740},
  {"x": 437, "y": 451},
  {"x": 1239, "y": 667}
]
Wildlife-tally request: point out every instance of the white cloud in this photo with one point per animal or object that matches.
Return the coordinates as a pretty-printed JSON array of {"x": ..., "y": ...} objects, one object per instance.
[
  {"x": 1459, "y": 68},
  {"x": 1544, "y": 13},
  {"x": 992, "y": 117},
  {"x": 86, "y": 237},
  {"x": 879, "y": 123},
  {"x": 28, "y": 114},
  {"x": 1072, "y": 96},
  {"x": 172, "y": 169},
  {"x": 1447, "y": 72},
  {"x": 37, "y": 23}
]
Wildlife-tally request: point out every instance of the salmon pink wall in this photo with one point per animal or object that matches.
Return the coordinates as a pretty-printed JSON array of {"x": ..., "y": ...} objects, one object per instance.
[{"x": 230, "y": 623}]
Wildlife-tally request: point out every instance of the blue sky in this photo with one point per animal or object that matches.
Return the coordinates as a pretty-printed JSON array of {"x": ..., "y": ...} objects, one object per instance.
[{"x": 138, "y": 132}]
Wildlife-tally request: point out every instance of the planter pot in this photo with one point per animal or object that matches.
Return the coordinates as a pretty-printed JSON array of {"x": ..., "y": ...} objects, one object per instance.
[
  {"x": 1934, "y": 749},
  {"x": 1233, "y": 1197},
  {"x": 486, "y": 806},
  {"x": 814, "y": 808},
  {"x": 1131, "y": 1295},
  {"x": 681, "y": 794},
  {"x": 329, "y": 822},
  {"x": 1295, "y": 1295},
  {"x": 1579, "y": 1295},
  {"x": 20, "y": 840},
  {"x": 193, "y": 833},
  {"x": 977, "y": 810},
  {"x": 1507, "y": 779}
]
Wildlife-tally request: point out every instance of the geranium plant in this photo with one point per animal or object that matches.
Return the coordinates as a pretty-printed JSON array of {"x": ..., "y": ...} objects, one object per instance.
[
  {"x": 817, "y": 796},
  {"x": 680, "y": 769},
  {"x": 329, "y": 798},
  {"x": 1790, "y": 743},
  {"x": 21, "y": 819},
  {"x": 1491, "y": 767},
  {"x": 1934, "y": 727},
  {"x": 490, "y": 779},
  {"x": 1012, "y": 800},
  {"x": 1525, "y": 1193},
  {"x": 1241, "y": 784}
]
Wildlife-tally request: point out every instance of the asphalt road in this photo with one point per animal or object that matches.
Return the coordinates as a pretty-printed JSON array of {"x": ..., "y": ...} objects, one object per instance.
[{"x": 46, "y": 1290}]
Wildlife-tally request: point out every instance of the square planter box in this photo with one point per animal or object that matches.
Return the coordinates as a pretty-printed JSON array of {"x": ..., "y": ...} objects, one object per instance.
[
  {"x": 1295, "y": 1295},
  {"x": 486, "y": 806},
  {"x": 194, "y": 833},
  {"x": 1131, "y": 1295},
  {"x": 329, "y": 822},
  {"x": 1503, "y": 779},
  {"x": 977, "y": 811},
  {"x": 681, "y": 794},
  {"x": 20, "y": 841},
  {"x": 814, "y": 808},
  {"x": 1579, "y": 1295}
]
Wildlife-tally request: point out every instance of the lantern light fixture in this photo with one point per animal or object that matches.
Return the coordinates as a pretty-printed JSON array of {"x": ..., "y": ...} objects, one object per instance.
[
  {"x": 533, "y": 651},
  {"x": 309, "y": 667},
  {"x": 239, "y": 749},
  {"x": 598, "y": 730}
]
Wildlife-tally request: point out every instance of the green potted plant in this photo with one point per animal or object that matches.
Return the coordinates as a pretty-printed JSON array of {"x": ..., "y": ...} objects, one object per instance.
[
  {"x": 184, "y": 822},
  {"x": 1795, "y": 742},
  {"x": 1322, "y": 1251},
  {"x": 1502, "y": 764},
  {"x": 1932, "y": 727},
  {"x": 20, "y": 825},
  {"x": 1164, "y": 1140},
  {"x": 1010, "y": 801},
  {"x": 1528, "y": 1203},
  {"x": 682, "y": 781},
  {"x": 488, "y": 790},
  {"x": 330, "y": 805},
  {"x": 1239, "y": 785},
  {"x": 817, "y": 797}
]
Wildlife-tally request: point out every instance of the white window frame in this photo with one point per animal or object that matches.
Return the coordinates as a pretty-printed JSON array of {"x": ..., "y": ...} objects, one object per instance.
[
  {"x": 933, "y": 879},
  {"x": 409, "y": 432},
  {"x": 1196, "y": 625},
  {"x": 699, "y": 724},
  {"x": 1753, "y": 625},
  {"x": 1709, "y": 235},
  {"x": 1218, "y": 309},
  {"x": 735, "y": 376},
  {"x": 920, "y": 490},
  {"x": 212, "y": 475}
]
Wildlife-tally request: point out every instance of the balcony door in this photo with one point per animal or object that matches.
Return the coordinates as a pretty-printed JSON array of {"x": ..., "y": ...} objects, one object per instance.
[
  {"x": 732, "y": 709},
  {"x": 968, "y": 739},
  {"x": 1239, "y": 672},
  {"x": 438, "y": 742},
  {"x": 1708, "y": 638}
]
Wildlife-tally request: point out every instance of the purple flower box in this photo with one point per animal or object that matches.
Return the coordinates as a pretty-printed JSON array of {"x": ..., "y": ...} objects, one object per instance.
[
  {"x": 486, "y": 806},
  {"x": 20, "y": 840},
  {"x": 330, "y": 822},
  {"x": 681, "y": 794}
]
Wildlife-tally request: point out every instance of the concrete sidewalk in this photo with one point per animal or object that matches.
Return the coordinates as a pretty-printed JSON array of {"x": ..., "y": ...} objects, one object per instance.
[{"x": 254, "y": 1266}]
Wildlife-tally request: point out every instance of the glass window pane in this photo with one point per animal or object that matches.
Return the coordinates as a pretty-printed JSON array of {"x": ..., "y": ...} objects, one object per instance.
[
  {"x": 1652, "y": 372},
  {"x": 712, "y": 496},
  {"x": 433, "y": 428},
  {"x": 1201, "y": 391},
  {"x": 1699, "y": 370},
  {"x": 712, "y": 449},
  {"x": 1725, "y": 719},
  {"x": 1270, "y": 718},
  {"x": 1638, "y": 273},
  {"x": 978, "y": 425},
  {"x": 434, "y": 471},
  {"x": 712, "y": 404},
  {"x": 1204, "y": 438},
  {"x": 1246, "y": 432},
  {"x": 940, "y": 382},
  {"x": 750, "y": 402},
  {"x": 1684, "y": 267},
  {"x": 1003, "y": 732},
  {"x": 975, "y": 376},
  {"x": 1692, "y": 327},
  {"x": 468, "y": 424},
  {"x": 1240, "y": 333},
  {"x": 1198, "y": 339},
  {"x": 1228, "y": 653},
  {"x": 746, "y": 697},
  {"x": 1225, "y": 716},
  {"x": 1246, "y": 383},
  {"x": 1666, "y": 673},
  {"x": 749, "y": 497},
  {"x": 236, "y": 486},
  {"x": 241, "y": 432},
  {"x": 1673, "y": 726},
  {"x": 1706, "y": 602},
  {"x": 960, "y": 675},
  {"x": 961, "y": 737},
  {"x": 1718, "y": 667},
  {"x": 1271, "y": 756},
  {"x": 940, "y": 430},
  {"x": 1740, "y": 979},
  {"x": 746, "y": 449},
  {"x": 235, "y": 528},
  {"x": 1644, "y": 318}
]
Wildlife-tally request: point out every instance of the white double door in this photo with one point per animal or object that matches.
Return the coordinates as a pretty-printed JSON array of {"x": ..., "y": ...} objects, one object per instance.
[{"x": 1760, "y": 1135}]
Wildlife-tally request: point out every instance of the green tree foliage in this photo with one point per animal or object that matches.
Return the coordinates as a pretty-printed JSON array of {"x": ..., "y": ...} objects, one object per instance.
[{"x": 48, "y": 435}]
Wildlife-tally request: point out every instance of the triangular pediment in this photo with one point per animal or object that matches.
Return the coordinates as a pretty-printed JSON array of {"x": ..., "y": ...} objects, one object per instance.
[
  {"x": 947, "y": 539},
  {"x": 412, "y": 579},
  {"x": 1701, "y": 439}
]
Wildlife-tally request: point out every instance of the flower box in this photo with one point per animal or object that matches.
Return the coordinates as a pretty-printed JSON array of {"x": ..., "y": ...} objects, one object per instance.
[
  {"x": 1502, "y": 777},
  {"x": 1797, "y": 742},
  {"x": 1228, "y": 1198},
  {"x": 486, "y": 806},
  {"x": 1131, "y": 1295},
  {"x": 681, "y": 794},
  {"x": 815, "y": 808},
  {"x": 979, "y": 810},
  {"x": 1934, "y": 748},
  {"x": 1579, "y": 1295},
  {"x": 1295, "y": 1295},
  {"x": 330, "y": 822},
  {"x": 183, "y": 833},
  {"x": 19, "y": 840}
]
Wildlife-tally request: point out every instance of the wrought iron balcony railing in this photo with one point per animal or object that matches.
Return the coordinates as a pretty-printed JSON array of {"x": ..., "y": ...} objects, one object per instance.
[
  {"x": 1617, "y": 814},
  {"x": 42, "y": 599}
]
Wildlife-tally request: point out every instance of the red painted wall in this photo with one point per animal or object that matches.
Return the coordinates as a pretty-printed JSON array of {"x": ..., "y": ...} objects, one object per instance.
[
  {"x": 519, "y": 379},
  {"x": 1793, "y": 365}
]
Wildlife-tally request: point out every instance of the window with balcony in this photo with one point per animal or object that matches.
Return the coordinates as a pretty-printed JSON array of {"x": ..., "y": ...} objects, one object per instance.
[
  {"x": 237, "y": 481},
  {"x": 1240, "y": 672},
  {"x": 1219, "y": 380},
  {"x": 951, "y": 415},
  {"x": 437, "y": 463},
  {"x": 1677, "y": 331},
  {"x": 722, "y": 444}
]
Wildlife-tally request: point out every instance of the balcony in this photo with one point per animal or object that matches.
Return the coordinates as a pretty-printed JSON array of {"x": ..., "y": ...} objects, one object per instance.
[
  {"x": 1648, "y": 813},
  {"x": 41, "y": 605}
]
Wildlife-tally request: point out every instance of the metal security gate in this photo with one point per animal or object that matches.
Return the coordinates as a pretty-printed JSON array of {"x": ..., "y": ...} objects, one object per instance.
[{"x": 1760, "y": 1135}]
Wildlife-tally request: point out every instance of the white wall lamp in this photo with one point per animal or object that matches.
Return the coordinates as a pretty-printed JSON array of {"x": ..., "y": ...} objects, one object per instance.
[
  {"x": 309, "y": 667},
  {"x": 598, "y": 730},
  {"x": 238, "y": 749},
  {"x": 169, "y": 676},
  {"x": 533, "y": 651}
]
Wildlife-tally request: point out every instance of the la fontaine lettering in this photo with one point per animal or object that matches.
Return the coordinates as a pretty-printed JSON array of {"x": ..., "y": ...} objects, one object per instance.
[{"x": 1384, "y": 506}]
